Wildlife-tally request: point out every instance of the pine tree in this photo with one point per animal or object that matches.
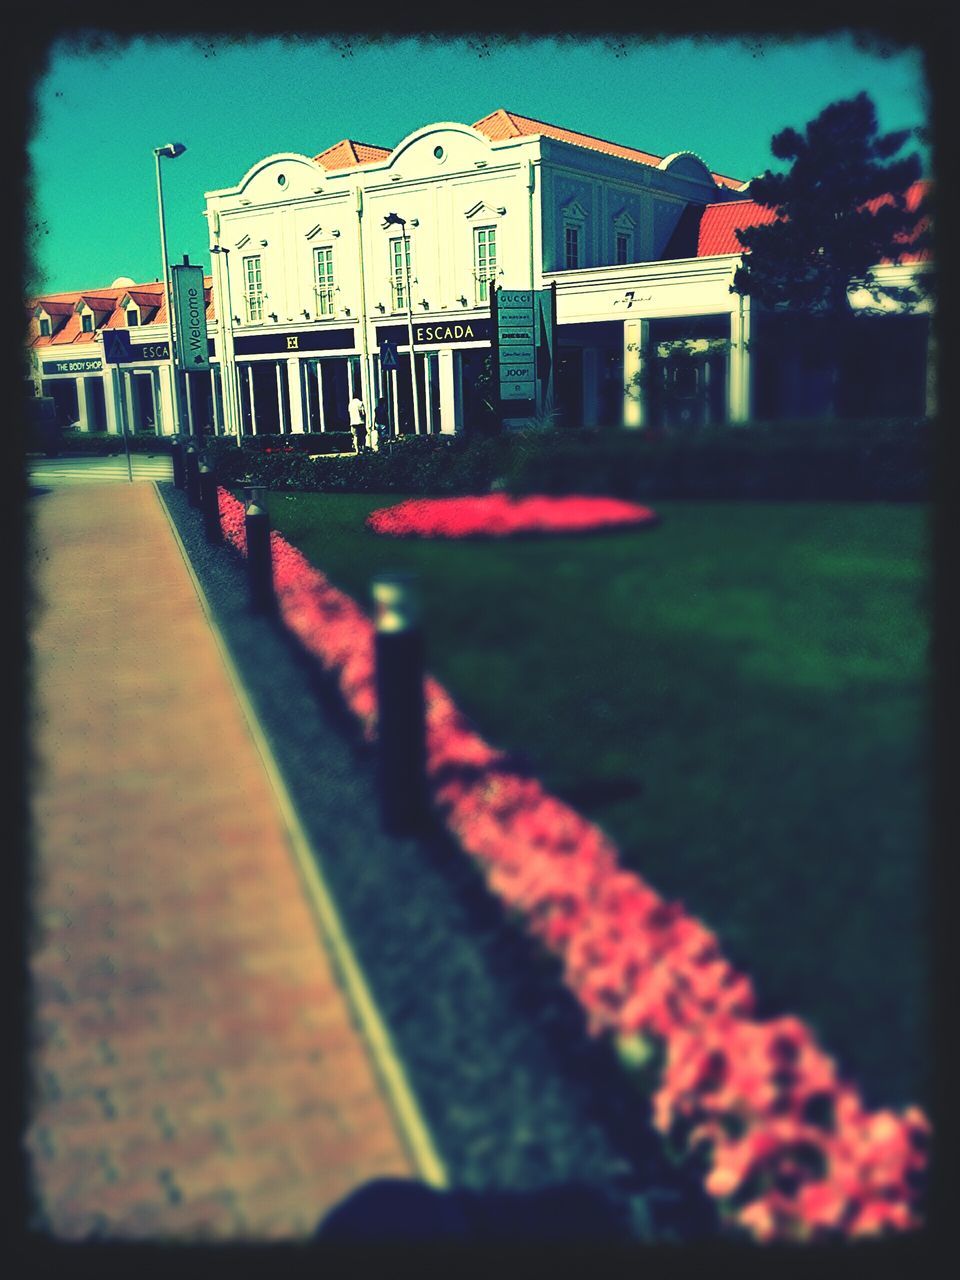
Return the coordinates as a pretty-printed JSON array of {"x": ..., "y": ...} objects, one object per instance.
[{"x": 825, "y": 236}]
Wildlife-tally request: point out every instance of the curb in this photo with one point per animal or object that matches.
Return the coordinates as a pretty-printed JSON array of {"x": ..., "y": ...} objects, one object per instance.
[{"x": 411, "y": 1126}]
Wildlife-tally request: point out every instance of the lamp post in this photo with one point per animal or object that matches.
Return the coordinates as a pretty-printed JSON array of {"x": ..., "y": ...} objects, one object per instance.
[
  {"x": 227, "y": 367},
  {"x": 393, "y": 219},
  {"x": 170, "y": 150}
]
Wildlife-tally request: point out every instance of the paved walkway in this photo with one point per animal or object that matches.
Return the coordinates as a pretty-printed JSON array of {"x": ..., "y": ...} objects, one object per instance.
[{"x": 198, "y": 1072}]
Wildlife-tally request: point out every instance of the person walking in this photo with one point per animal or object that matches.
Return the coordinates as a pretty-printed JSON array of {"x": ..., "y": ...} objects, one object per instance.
[
  {"x": 357, "y": 415},
  {"x": 381, "y": 422}
]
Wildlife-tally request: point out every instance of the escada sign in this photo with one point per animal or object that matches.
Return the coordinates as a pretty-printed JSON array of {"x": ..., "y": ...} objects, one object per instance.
[{"x": 436, "y": 333}]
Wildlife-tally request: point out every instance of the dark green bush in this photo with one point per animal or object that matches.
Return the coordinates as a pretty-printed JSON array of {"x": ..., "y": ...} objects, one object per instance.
[
  {"x": 885, "y": 460},
  {"x": 107, "y": 443}
]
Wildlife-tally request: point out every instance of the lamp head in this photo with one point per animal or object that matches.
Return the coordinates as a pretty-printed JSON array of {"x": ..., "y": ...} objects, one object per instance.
[{"x": 170, "y": 149}]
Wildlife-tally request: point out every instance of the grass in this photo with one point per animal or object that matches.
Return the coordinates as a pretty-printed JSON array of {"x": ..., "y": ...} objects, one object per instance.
[{"x": 738, "y": 697}]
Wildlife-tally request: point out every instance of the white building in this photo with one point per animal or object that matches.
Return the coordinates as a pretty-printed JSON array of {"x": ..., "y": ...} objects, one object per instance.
[{"x": 307, "y": 283}]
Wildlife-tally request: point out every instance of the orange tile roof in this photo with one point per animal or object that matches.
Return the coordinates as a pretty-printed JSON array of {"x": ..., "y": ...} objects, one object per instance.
[
  {"x": 53, "y": 308},
  {"x": 719, "y": 222},
  {"x": 147, "y": 296},
  {"x": 347, "y": 154},
  {"x": 502, "y": 124}
]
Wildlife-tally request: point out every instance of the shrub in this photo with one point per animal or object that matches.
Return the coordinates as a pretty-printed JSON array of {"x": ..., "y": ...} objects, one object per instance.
[
  {"x": 108, "y": 443},
  {"x": 885, "y": 460}
]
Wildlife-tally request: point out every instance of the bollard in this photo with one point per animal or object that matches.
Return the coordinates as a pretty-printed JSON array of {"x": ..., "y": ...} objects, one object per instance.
[
  {"x": 210, "y": 503},
  {"x": 401, "y": 722},
  {"x": 191, "y": 467},
  {"x": 259, "y": 556},
  {"x": 176, "y": 456}
]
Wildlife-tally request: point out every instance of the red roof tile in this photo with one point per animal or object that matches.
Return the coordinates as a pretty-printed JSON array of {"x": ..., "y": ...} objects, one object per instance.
[
  {"x": 347, "y": 154},
  {"x": 719, "y": 222},
  {"x": 502, "y": 124}
]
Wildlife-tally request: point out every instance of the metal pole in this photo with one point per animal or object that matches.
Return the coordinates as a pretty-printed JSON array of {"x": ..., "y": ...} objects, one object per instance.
[
  {"x": 366, "y": 382},
  {"x": 209, "y": 504},
  {"x": 122, "y": 397},
  {"x": 259, "y": 556},
  {"x": 228, "y": 373},
  {"x": 401, "y": 716},
  {"x": 413, "y": 366},
  {"x": 167, "y": 295},
  {"x": 191, "y": 466}
]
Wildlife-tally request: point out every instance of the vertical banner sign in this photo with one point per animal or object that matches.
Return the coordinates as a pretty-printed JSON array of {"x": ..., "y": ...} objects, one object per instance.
[
  {"x": 516, "y": 343},
  {"x": 191, "y": 318},
  {"x": 546, "y": 313}
]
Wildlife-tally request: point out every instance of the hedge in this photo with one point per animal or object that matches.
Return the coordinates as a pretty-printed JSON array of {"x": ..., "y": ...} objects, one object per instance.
[
  {"x": 110, "y": 443},
  {"x": 881, "y": 460}
]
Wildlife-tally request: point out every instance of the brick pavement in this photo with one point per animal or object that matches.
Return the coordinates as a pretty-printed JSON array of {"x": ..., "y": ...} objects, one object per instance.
[{"x": 197, "y": 1071}]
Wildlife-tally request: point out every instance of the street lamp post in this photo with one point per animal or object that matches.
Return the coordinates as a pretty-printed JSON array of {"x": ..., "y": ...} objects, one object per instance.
[
  {"x": 393, "y": 219},
  {"x": 170, "y": 150},
  {"x": 227, "y": 366}
]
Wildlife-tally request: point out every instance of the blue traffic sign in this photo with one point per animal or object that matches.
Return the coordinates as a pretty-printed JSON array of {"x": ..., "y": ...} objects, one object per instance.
[
  {"x": 388, "y": 355},
  {"x": 116, "y": 346}
]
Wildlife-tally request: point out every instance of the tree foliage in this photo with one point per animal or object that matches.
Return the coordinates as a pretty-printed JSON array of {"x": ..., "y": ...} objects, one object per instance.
[{"x": 826, "y": 232}]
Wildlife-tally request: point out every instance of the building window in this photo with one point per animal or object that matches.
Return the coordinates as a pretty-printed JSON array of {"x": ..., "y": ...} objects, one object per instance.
[
  {"x": 44, "y": 327},
  {"x": 133, "y": 318},
  {"x": 484, "y": 260},
  {"x": 399, "y": 269},
  {"x": 323, "y": 279},
  {"x": 254, "y": 281},
  {"x": 623, "y": 247},
  {"x": 86, "y": 322},
  {"x": 571, "y": 247}
]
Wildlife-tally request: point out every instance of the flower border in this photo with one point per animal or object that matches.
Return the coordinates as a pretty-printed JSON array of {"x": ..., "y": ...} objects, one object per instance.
[
  {"x": 790, "y": 1150},
  {"x": 499, "y": 515}
]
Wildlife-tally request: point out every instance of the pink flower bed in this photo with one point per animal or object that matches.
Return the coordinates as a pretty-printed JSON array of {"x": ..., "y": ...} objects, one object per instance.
[
  {"x": 791, "y": 1151},
  {"x": 498, "y": 515}
]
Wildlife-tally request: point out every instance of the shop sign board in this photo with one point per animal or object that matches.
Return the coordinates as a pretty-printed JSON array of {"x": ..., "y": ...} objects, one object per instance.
[
  {"x": 437, "y": 333},
  {"x": 517, "y": 344},
  {"x": 189, "y": 308},
  {"x": 90, "y": 365}
]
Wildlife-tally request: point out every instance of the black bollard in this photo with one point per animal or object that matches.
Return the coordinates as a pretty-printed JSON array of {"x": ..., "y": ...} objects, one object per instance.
[
  {"x": 210, "y": 504},
  {"x": 191, "y": 466},
  {"x": 259, "y": 556},
  {"x": 176, "y": 455},
  {"x": 401, "y": 723}
]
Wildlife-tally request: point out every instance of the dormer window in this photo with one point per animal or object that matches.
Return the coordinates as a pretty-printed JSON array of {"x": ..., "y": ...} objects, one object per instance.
[
  {"x": 133, "y": 317},
  {"x": 86, "y": 322},
  {"x": 45, "y": 329}
]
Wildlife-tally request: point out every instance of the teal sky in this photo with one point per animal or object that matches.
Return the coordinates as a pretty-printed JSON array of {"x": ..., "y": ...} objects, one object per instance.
[{"x": 98, "y": 114}]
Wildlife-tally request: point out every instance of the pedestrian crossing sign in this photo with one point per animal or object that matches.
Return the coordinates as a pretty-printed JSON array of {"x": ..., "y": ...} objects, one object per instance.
[
  {"x": 388, "y": 355},
  {"x": 116, "y": 346}
]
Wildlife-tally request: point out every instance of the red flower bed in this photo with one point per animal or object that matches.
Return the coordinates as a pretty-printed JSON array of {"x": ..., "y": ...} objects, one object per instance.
[
  {"x": 792, "y": 1153},
  {"x": 498, "y": 515}
]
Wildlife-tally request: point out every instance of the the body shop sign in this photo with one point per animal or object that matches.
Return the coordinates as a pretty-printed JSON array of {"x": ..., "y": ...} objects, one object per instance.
[{"x": 191, "y": 319}]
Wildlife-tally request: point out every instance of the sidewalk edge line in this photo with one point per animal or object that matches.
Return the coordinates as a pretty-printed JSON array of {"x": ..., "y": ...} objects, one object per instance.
[{"x": 412, "y": 1127}]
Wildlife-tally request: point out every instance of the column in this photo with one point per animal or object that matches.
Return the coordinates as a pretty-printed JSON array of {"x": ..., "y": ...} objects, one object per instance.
[
  {"x": 215, "y": 400},
  {"x": 295, "y": 395},
  {"x": 84, "y": 414},
  {"x": 130, "y": 401},
  {"x": 931, "y": 383},
  {"x": 448, "y": 409},
  {"x": 590, "y": 365},
  {"x": 738, "y": 366},
  {"x": 110, "y": 400},
  {"x": 636, "y": 335},
  {"x": 166, "y": 399}
]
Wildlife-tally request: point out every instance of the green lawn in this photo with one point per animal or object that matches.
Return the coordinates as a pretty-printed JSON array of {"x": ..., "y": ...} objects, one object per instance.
[{"x": 739, "y": 697}]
